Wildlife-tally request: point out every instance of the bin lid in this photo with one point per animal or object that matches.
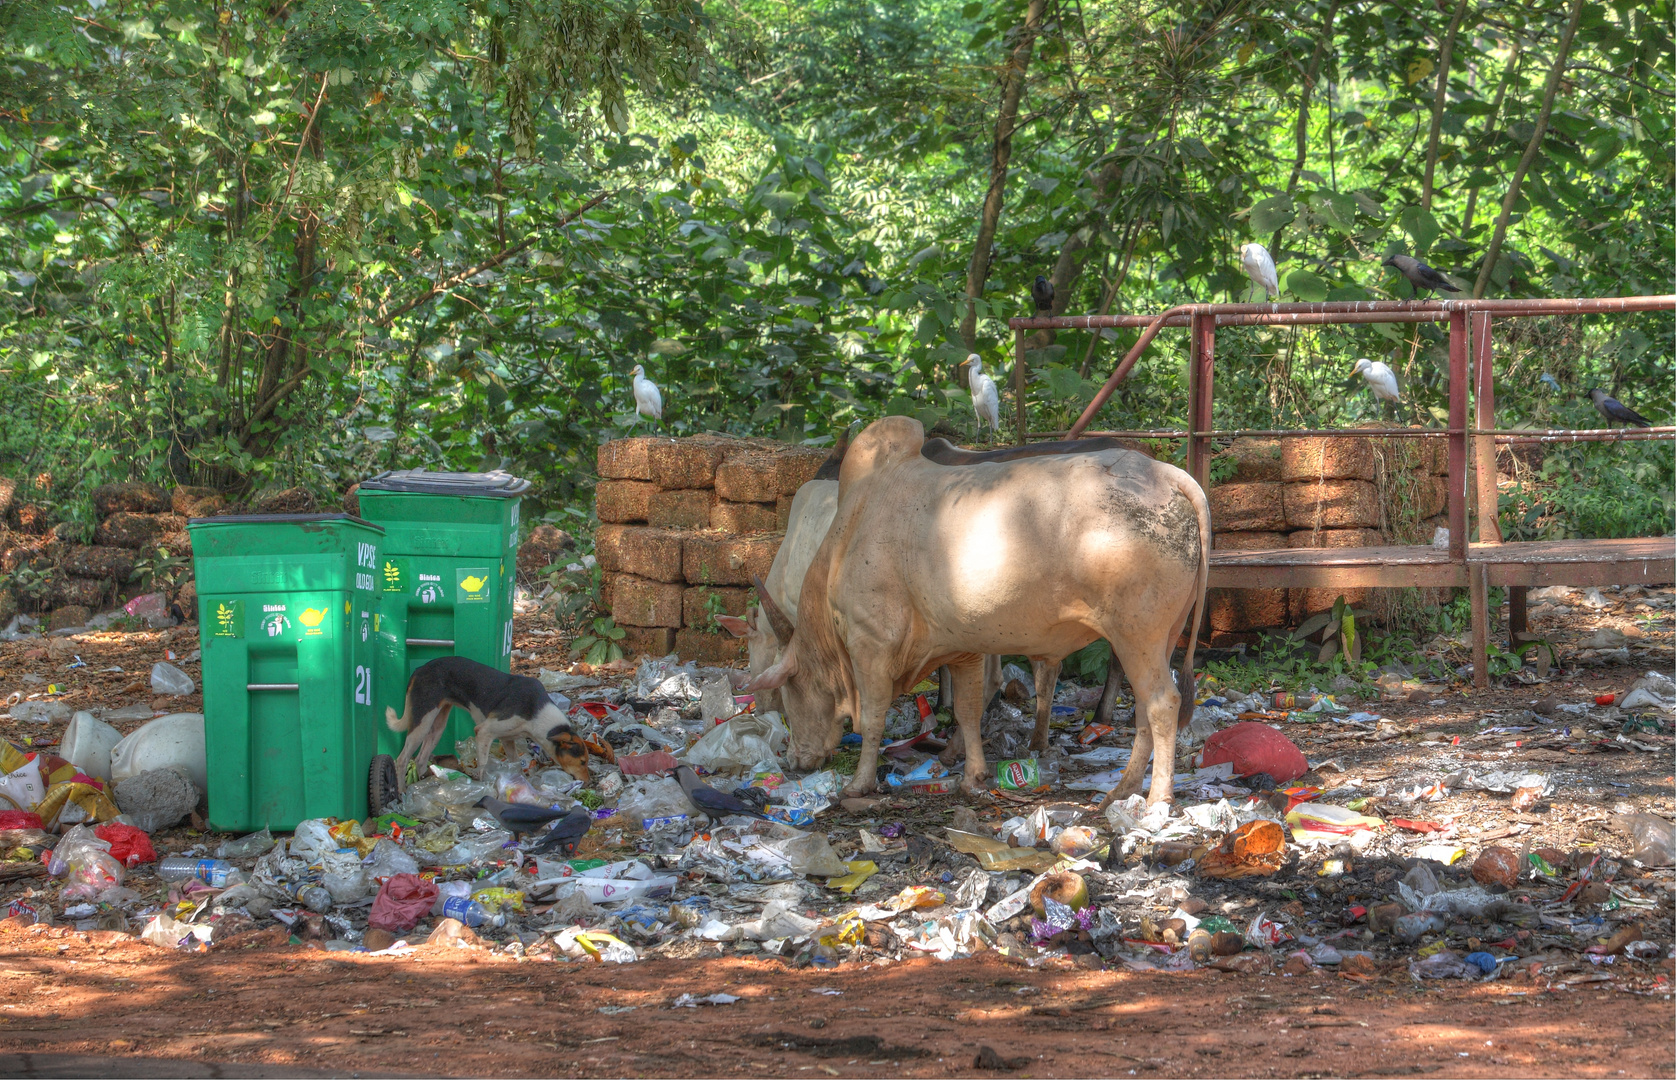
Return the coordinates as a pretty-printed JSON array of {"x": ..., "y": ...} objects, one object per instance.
[
  {"x": 282, "y": 519},
  {"x": 483, "y": 485}
]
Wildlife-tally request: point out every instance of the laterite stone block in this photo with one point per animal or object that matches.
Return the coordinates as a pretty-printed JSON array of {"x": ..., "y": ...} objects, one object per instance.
[
  {"x": 1335, "y": 538},
  {"x": 718, "y": 648},
  {"x": 681, "y": 509},
  {"x": 680, "y": 464},
  {"x": 1247, "y": 508},
  {"x": 647, "y": 641},
  {"x": 743, "y": 518},
  {"x": 1332, "y": 458},
  {"x": 636, "y": 601},
  {"x": 1247, "y": 541},
  {"x": 626, "y": 459},
  {"x": 654, "y": 554},
  {"x": 1306, "y": 602},
  {"x": 1255, "y": 460},
  {"x": 624, "y": 500},
  {"x": 720, "y": 559},
  {"x": 1331, "y": 504},
  {"x": 696, "y": 608},
  {"x": 1238, "y": 610}
]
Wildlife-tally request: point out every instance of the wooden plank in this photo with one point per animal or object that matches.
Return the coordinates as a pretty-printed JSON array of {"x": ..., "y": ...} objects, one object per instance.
[{"x": 1636, "y": 561}]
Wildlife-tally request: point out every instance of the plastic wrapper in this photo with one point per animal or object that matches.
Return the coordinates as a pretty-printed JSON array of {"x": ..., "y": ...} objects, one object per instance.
[
  {"x": 742, "y": 745},
  {"x": 479, "y": 847},
  {"x": 652, "y": 798},
  {"x": 576, "y": 943},
  {"x": 344, "y": 876},
  {"x": 246, "y": 847},
  {"x": 1327, "y": 825},
  {"x": 312, "y": 839},
  {"x": 1443, "y": 965},
  {"x": 170, "y": 680},
  {"x": 388, "y": 859},
  {"x": 809, "y": 853},
  {"x": 615, "y": 883},
  {"x": 401, "y": 903},
  {"x": 129, "y": 846}
]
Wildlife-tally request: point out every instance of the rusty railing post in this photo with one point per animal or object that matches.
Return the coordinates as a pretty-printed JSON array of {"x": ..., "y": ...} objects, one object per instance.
[
  {"x": 1018, "y": 387},
  {"x": 1459, "y": 378},
  {"x": 1201, "y": 381}
]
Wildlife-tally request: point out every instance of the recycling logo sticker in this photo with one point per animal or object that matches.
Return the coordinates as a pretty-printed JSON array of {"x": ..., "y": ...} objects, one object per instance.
[{"x": 473, "y": 585}]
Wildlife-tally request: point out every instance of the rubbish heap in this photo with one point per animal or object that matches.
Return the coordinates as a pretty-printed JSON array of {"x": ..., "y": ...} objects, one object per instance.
[{"x": 1250, "y": 870}]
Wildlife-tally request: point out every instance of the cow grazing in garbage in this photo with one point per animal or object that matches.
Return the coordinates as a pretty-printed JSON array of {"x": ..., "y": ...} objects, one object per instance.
[{"x": 926, "y": 565}]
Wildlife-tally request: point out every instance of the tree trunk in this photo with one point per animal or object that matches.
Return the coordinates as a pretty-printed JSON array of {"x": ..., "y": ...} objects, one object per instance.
[
  {"x": 1132, "y": 233},
  {"x": 1006, "y": 121},
  {"x": 1066, "y": 269},
  {"x": 1310, "y": 74},
  {"x": 1549, "y": 92},
  {"x": 1507, "y": 78},
  {"x": 1438, "y": 102}
]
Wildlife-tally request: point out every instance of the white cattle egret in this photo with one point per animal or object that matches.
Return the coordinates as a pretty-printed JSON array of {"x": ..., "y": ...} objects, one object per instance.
[
  {"x": 1380, "y": 379},
  {"x": 648, "y": 401},
  {"x": 1259, "y": 267},
  {"x": 986, "y": 400}
]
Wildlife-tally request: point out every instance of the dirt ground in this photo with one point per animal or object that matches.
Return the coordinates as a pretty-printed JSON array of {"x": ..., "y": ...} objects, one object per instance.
[
  {"x": 461, "y": 1012},
  {"x": 92, "y": 1001}
]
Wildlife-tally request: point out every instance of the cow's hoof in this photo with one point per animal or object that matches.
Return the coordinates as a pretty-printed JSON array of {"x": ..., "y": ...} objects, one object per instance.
[
  {"x": 950, "y": 755},
  {"x": 856, "y": 791}
]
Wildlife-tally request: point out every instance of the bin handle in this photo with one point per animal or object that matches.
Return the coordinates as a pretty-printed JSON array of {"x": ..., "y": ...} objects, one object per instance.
[
  {"x": 446, "y": 643},
  {"x": 271, "y": 686}
]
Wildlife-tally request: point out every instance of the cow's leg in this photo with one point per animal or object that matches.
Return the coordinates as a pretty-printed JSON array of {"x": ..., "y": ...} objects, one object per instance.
[
  {"x": 968, "y": 714},
  {"x": 1047, "y": 680},
  {"x": 873, "y": 693},
  {"x": 1108, "y": 700},
  {"x": 1156, "y": 705},
  {"x": 945, "y": 689}
]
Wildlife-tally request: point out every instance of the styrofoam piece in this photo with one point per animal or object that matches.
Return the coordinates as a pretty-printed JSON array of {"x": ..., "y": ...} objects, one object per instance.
[
  {"x": 175, "y": 739},
  {"x": 87, "y": 744}
]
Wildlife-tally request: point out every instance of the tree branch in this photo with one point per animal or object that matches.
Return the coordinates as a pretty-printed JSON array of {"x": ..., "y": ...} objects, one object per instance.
[
  {"x": 1549, "y": 92},
  {"x": 487, "y": 264},
  {"x": 1438, "y": 102}
]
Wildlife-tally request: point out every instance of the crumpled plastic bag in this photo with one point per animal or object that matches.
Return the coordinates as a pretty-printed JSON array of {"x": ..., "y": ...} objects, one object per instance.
[
  {"x": 401, "y": 903},
  {"x": 247, "y": 846},
  {"x": 809, "y": 853},
  {"x": 577, "y": 943},
  {"x": 129, "y": 846},
  {"x": 652, "y": 798},
  {"x": 168, "y": 932},
  {"x": 742, "y": 745},
  {"x": 311, "y": 839},
  {"x": 666, "y": 679},
  {"x": 74, "y": 802},
  {"x": 345, "y": 876},
  {"x": 388, "y": 859},
  {"x": 1256, "y": 748},
  {"x": 91, "y": 869}
]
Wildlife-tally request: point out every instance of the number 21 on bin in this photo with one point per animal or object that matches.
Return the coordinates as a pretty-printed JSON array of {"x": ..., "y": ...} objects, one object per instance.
[{"x": 363, "y": 685}]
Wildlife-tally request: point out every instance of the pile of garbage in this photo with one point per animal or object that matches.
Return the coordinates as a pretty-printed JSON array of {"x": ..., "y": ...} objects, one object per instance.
[{"x": 694, "y": 839}]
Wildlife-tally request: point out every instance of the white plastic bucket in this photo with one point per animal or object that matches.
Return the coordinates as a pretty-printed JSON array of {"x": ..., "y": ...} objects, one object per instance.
[
  {"x": 175, "y": 739},
  {"x": 87, "y": 744}
]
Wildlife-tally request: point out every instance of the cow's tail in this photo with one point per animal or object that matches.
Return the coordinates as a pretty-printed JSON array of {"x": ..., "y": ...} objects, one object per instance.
[{"x": 1187, "y": 684}]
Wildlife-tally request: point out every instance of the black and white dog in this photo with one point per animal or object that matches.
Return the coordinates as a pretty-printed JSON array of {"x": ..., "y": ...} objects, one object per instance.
[{"x": 501, "y": 706}]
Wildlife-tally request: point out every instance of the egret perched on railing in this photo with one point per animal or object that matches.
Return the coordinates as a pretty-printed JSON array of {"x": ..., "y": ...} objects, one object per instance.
[
  {"x": 1259, "y": 267},
  {"x": 648, "y": 400},
  {"x": 986, "y": 400},
  {"x": 1380, "y": 379}
]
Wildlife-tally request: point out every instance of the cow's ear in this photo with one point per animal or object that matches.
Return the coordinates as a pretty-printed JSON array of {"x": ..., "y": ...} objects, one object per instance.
[
  {"x": 777, "y": 675},
  {"x": 733, "y": 624}
]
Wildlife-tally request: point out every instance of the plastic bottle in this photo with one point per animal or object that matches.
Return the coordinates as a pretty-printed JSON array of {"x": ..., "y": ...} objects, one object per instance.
[
  {"x": 1653, "y": 839},
  {"x": 468, "y": 911},
  {"x": 449, "y": 890},
  {"x": 1027, "y": 774},
  {"x": 217, "y": 873}
]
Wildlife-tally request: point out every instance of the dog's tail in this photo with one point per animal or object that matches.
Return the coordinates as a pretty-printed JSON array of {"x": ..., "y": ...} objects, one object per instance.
[{"x": 404, "y": 722}]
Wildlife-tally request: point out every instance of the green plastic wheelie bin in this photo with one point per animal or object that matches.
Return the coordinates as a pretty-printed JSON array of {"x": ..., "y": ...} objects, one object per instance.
[
  {"x": 446, "y": 576},
  {"x": 286, "y": 611}
]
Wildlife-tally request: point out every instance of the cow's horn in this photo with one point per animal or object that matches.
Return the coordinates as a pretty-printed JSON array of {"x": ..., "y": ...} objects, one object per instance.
[{"x": 783, "y": 628}]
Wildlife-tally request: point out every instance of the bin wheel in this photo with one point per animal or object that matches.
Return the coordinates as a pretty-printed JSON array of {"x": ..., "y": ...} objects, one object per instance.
[{"x": 382, "y": 790}]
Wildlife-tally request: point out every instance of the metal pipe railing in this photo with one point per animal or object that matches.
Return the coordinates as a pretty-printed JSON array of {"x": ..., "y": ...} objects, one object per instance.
[{"x": 1503, "y": 435}]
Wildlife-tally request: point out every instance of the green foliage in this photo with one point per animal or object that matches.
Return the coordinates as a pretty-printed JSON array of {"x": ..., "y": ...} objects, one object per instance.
[
  {"x": 600, "y": 645},
  {"x": 159, "y": 570},
  {"x": 245, "y": 246},
  {"x": 1593, "y": 490}
]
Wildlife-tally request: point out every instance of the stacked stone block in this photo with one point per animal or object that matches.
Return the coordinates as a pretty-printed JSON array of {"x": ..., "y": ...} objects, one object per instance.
[
  {"x": 1308, "y": 493},
  {"x": 684, "y": 524}
]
